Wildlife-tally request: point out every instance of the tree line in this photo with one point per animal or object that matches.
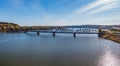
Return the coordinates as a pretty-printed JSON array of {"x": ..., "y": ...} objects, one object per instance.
[
  {"x": 26, "y": 28},
  {"x": 7, "y": 26},
  {"x": 12, "y": 27}
]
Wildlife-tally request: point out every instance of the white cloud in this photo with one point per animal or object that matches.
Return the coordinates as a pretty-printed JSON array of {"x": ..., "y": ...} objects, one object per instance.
[
  {"x": 88, "y": 7},
  {"x": 106, "y": 7},
  {"x": 88, "y": 12},
  {"x": 97, "y": 5}
]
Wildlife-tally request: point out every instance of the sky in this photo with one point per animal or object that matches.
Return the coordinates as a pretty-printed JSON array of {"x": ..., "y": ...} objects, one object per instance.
[{"x": 60, "y": 12}]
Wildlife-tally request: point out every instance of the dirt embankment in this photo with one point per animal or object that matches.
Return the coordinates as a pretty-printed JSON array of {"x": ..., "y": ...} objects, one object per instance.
[{"x": 113, "y": 37}]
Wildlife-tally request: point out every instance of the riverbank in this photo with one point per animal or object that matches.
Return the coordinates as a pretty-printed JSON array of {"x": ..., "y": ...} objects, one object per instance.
[{"x": 113, "y": 37}]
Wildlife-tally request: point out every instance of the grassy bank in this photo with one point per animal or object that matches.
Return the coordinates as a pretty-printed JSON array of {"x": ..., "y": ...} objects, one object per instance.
[{"x": 113, "y": 37}]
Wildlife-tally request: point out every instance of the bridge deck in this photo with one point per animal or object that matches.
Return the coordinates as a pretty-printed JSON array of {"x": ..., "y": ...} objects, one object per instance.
[{"x": 65, "y": 32}]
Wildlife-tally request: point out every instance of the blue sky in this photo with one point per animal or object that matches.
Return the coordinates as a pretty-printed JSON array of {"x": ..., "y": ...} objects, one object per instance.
[{"x": 60, "y": 12}]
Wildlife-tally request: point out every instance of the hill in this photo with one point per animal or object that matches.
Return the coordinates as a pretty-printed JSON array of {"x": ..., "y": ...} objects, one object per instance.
[{"x": 6, "y": 26}]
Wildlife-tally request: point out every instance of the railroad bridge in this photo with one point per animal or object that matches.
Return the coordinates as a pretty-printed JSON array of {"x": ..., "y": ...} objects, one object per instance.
[{"x": 69, "y": 30}]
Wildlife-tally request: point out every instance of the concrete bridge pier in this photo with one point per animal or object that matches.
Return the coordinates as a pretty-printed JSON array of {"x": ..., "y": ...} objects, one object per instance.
[
  {"x": 74, "y": 35},
  {"x": 26, "y": 31},
  {"x": 38, "y": 33},
  {"x": 53, "y": 34},
  {"x": 100, "y": 33}
]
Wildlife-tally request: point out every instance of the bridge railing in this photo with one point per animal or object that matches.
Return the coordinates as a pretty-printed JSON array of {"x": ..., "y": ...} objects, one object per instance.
[{"x": 80, "y": 30}]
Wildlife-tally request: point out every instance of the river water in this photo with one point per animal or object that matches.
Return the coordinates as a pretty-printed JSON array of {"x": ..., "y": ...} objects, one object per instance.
[{"x": 28, "y": 49}]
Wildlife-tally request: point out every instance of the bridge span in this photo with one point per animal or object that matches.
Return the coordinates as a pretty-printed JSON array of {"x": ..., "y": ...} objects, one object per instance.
[{"x": 68, "y": 31}]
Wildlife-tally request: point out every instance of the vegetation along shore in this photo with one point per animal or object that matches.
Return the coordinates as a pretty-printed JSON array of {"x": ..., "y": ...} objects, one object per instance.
[
  {"x": 12, "y": 27},
  {"x": 111, "y": 34}
]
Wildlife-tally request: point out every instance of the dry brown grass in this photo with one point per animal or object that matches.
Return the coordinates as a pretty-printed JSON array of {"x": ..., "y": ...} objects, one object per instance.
[{"x": 112, "y": 37}]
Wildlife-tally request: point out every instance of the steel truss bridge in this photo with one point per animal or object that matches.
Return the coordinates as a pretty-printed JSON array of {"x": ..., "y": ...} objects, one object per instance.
[{"x": 69, "y": 30}]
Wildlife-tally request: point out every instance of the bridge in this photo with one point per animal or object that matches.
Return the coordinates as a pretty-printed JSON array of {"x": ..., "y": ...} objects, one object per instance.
[{"x": 68, "y": 30}]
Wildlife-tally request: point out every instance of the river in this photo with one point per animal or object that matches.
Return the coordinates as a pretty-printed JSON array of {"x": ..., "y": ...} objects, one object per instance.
[{"x": 28, "y": 49}]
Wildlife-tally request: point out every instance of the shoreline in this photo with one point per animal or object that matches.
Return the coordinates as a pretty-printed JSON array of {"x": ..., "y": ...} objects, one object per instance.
[
  {"x": 14, "y": 32},
  {"x": 109, "y": 36},
  {"x": 112, "y": 37}
]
